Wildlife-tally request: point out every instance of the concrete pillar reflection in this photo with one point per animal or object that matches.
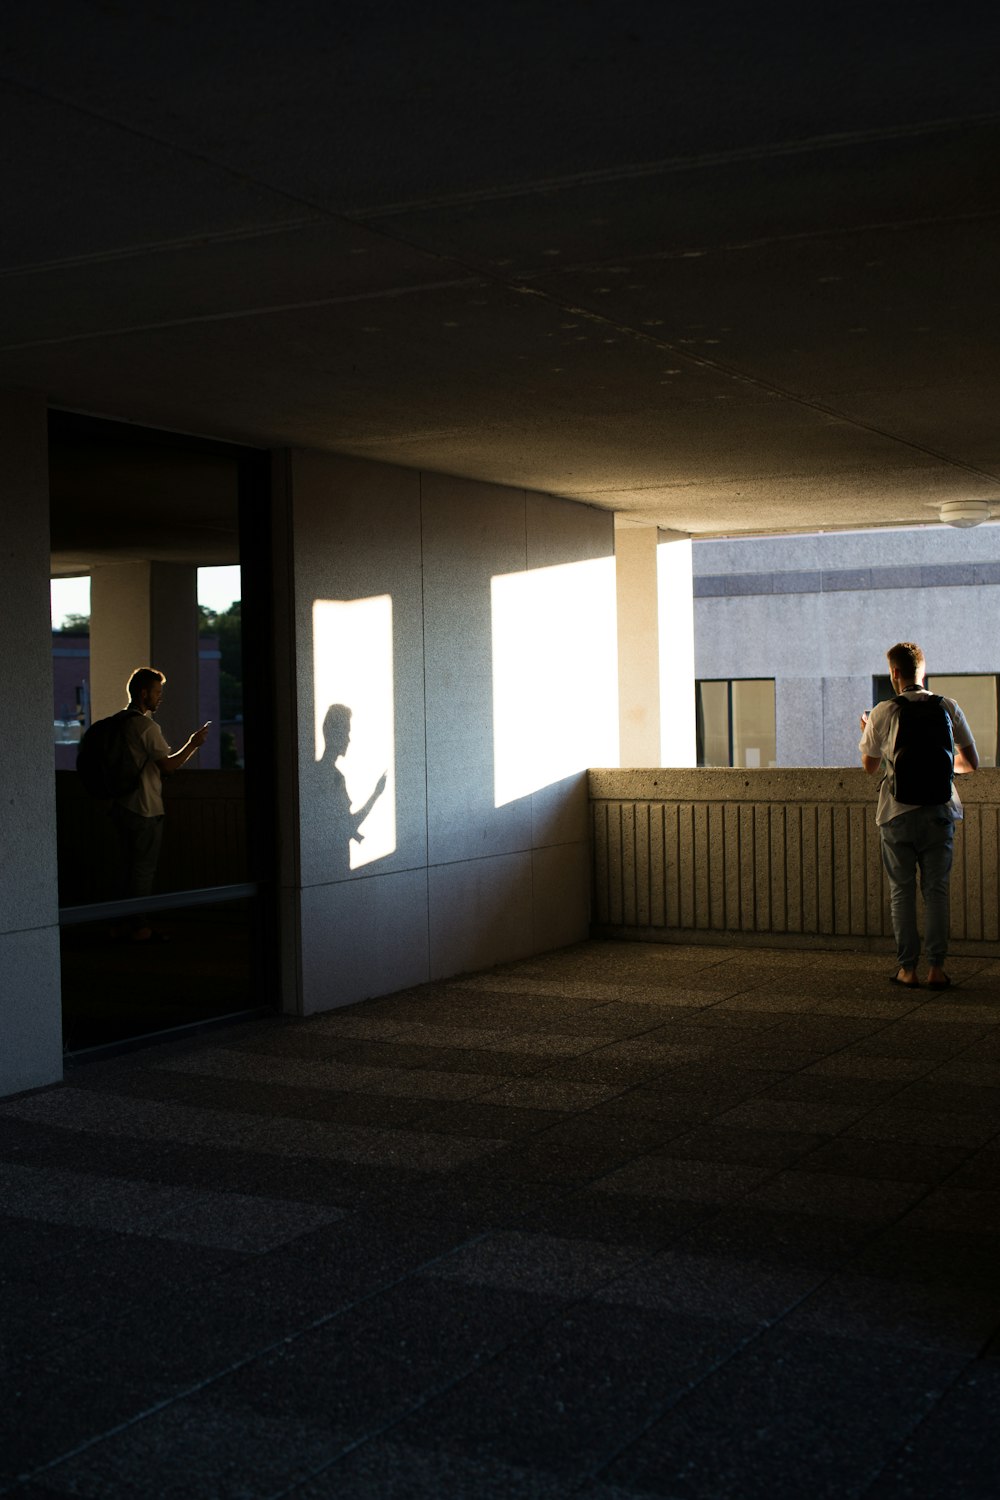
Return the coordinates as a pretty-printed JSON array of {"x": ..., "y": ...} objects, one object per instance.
[{"x": 143, "y": 614}]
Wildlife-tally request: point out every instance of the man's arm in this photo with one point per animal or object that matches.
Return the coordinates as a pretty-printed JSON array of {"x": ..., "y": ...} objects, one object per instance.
[
  {"x": 966, "y": 759},
  {"x": 966, "y": 754},
  {"x": 183, "y": 755},
  {"x": 871, "y": 763}
]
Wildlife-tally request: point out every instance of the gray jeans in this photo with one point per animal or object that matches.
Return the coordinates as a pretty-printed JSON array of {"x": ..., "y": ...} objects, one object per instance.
[
  {"x": 140, "y": 838},
  {"x": 920, "y": 839}
]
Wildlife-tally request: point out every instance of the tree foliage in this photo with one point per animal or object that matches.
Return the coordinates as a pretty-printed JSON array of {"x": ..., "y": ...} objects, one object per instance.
[
  {"x": 73, "y": 625},
  {"x": 227, "y": 627}
]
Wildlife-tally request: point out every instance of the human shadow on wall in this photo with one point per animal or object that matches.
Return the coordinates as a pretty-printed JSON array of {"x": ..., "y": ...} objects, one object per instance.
[{"x": 345, "y": 822}]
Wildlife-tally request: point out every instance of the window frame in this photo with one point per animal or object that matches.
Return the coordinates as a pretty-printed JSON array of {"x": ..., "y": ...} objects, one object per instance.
[{"x": 730, "y": 741}]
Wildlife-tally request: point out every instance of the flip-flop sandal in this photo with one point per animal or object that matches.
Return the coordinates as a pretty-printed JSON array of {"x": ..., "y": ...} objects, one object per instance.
[
  {"x": 907, "y": 984},
  {"x": 939, "y": 984}
]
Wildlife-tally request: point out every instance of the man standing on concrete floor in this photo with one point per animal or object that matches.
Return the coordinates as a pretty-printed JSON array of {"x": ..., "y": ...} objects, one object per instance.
[
  {"x": 923, "y": 740},
  {"x": 139, "y": 816}
]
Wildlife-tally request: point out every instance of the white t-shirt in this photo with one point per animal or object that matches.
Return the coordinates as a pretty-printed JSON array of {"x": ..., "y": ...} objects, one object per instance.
[
  {"x": 147, "y": 744},
  {"x": 879, "y": 738}
]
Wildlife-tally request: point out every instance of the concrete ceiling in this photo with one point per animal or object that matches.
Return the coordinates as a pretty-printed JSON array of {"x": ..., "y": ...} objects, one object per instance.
[
  {"x": 119, "y": 495},
  {"x": 728, "y": 268}
]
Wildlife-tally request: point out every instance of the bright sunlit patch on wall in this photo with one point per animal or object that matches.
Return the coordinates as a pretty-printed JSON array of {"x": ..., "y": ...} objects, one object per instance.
[
  {"x": 555, "y": 675},
  {"x": 353, "y": 666}
]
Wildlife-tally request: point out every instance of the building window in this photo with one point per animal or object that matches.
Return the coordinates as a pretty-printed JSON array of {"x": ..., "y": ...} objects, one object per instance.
[
  {"x": 977, "y": 695},
  {"x": 735, "y": 722}
]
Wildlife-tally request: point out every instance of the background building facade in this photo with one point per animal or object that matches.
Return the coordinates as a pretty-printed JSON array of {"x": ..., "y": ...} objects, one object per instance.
[{"x": 791, "y": 634}]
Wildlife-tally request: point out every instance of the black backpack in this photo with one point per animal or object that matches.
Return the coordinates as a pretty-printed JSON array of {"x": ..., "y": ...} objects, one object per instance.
[
  {"x": 104, "y": 760},
  {"x": 923, "y": 758}
]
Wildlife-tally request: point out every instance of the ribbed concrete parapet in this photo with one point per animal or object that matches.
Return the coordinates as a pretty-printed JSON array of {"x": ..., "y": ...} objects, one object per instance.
[{"x": 788, "y": 856}]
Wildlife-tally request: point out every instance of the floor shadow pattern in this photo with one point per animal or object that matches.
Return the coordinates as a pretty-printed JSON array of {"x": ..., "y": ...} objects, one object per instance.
[{"x": 622, "y": 1221}]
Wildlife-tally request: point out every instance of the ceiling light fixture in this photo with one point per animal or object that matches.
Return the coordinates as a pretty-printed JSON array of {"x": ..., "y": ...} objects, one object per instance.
[{"x": 965, "y": 512}]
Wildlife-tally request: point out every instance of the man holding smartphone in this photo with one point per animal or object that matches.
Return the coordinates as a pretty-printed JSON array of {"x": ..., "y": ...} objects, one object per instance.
[
  {"x": 139, "y": 816},
  {"x": 917, "y": 834}
]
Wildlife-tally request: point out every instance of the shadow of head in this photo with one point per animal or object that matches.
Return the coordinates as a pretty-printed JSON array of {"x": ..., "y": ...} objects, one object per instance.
[{"x": 336, "y": 731}]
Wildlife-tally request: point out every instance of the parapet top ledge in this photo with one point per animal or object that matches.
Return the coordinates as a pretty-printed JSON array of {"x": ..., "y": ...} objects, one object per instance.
[{"x": 830, "y": 784}]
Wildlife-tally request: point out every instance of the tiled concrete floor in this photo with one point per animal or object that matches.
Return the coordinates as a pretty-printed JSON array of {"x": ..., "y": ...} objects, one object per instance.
[{"x": 626, "y": 1220}]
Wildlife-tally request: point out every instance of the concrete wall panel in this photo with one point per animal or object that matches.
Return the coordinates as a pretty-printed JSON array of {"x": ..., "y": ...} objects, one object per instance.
[
  {"x": 481, "y": 913},
  {"x": 363, "y": 937},
  {"x": 562, "y": 531},
  {"x": 559, "y": 812},
  {"x": 844, "y": 701},
  {"x": 561, "y": 895},
  {"x": 31, "y": 1010},
  {"x": 798, "y": 711},
  {"x": 357, "y": 560},
  {"x": 473, "y": 534},
  {"x": 27, "y": 791},
  {"x": 31, "y": 1053},
  {"x": 821, "y": 635},
  {"x": 912, "y": 546}
]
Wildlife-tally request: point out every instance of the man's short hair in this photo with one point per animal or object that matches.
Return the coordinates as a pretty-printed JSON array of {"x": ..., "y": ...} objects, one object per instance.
[
  {"x": 143, "y": 677},
  {"x": 908, "y": 659}
]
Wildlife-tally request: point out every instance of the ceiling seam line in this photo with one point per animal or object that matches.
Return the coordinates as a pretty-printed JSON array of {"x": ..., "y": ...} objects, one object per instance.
[
  {"x": 946, "y": 125},
  {"x": 668, "y": 166},
  {"x": 246, "y": 312},
  {"x": 318, "y": 216},
  {"x": 362, "y": 216},
  {"x": 717, "y": 367},
  {"x": 161, "y": 247}
]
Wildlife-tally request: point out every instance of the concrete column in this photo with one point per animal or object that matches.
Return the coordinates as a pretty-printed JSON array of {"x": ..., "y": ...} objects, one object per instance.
[
  {"x": 655, "y": 646},
  {"x": 638, "y": 644},
  {"x": 119, "y": 632},
  {"x": 675, "y": 591},
  {"x": 173, "y": 639},
  {"x": 30, "y": 1004},
  {"x": 290, "y": 724},
  {"x": 145, "y": 614}
]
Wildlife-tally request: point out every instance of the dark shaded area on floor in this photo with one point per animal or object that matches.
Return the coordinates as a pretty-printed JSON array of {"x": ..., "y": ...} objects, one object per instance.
[{"x": 620, "y": 1221}]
